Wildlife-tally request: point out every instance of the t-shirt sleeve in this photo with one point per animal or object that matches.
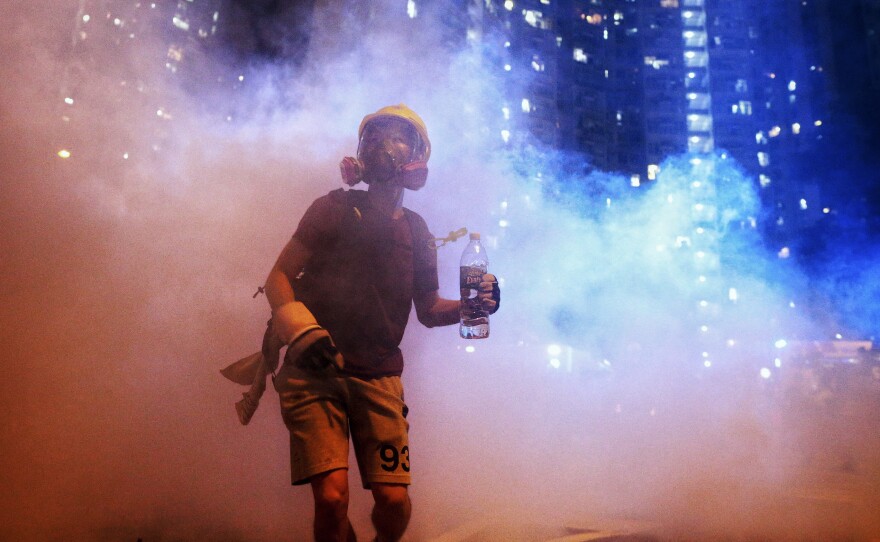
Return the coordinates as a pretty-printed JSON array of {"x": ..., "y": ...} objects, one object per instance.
[
  {"x": 424, "y": 258},
  {"x": 319, "y": 224}
]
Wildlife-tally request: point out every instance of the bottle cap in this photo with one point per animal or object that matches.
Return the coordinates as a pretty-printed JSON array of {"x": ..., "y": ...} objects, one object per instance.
[{"x": 474, "y": 237}]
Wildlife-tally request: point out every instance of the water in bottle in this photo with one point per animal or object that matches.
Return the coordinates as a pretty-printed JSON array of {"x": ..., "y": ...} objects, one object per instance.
[{"x": 474, "y": 264}]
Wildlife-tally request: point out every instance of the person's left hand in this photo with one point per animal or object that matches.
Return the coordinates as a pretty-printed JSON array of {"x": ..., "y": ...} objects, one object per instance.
[{"x": 489, "y": 293}]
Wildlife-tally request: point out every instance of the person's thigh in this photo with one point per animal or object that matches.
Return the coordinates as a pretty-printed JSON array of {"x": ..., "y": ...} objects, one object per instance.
[
  {"x": 313, "y": 409},
  {"x": 379, "y": 430}
]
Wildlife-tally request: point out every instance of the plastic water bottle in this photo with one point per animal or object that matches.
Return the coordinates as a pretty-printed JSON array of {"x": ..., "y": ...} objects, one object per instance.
[{"x": 474, "y": 264}]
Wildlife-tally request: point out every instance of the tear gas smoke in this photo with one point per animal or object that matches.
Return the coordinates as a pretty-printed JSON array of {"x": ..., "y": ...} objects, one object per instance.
[{"x": 128, "y": 271}]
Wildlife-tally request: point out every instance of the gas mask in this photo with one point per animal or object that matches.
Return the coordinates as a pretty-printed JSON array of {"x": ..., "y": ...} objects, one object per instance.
[{"x": 390, "y": 150}]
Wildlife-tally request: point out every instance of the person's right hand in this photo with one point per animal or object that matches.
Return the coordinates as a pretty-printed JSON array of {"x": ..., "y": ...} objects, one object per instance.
[{"x": 319, "y": 355}]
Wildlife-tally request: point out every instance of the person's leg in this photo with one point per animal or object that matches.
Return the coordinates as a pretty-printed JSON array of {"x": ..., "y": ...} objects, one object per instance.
[
  {"x": 379, "y": 431},
  {"x": 330, "y": 490},
  {"x": 313, "y": 409},
  {"x": 391, "y": 512}
]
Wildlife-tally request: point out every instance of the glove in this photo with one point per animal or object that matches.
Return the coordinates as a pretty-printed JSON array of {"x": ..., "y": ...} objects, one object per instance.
[
  {"x": 293, "y": 320},
  {"x": 319, "y": 355},
  {"x": 490, "y": 294},
  {"x": 309, "y": 345}
]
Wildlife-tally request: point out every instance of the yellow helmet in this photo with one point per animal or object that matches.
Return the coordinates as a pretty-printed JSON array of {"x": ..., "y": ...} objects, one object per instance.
[{"x": 403, "y": 112}]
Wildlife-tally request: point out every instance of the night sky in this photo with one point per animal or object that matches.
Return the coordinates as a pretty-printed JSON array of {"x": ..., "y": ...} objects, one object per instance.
[{"x": 275, "y": 30}]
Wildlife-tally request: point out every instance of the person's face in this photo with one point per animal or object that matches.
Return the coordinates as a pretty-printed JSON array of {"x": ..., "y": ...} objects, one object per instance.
[{"x": 386, "y": 144}]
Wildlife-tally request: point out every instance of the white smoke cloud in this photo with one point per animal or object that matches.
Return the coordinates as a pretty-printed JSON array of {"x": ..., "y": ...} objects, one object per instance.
[{"x": 128, "y": 282}]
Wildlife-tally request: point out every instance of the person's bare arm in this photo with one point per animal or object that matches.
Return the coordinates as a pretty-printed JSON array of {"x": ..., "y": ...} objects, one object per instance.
[
  {"x": 433, "y": 310},
  {"x": 290, "y": 263}
]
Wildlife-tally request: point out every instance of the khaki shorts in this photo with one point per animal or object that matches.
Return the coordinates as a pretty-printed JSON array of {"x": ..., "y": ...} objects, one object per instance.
[{"x": 321, "y": 409}]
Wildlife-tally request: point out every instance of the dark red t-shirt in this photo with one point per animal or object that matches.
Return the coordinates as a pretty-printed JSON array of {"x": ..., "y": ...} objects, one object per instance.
[{"x": 362, "y": 276}]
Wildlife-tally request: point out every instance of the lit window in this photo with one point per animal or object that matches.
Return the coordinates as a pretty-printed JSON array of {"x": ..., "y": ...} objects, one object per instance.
[
  {"x": 792, "y": 86},
  {"x": 175, "y": 53},
  {"x": 532, "y": 17},
  {"x": 507, "y": 67},
  {"x": 668, "y": 3},
  {"x": 818, "y": 123},
  {"x": 764, "y": 180},
  {"x": 411, "y": 9},
  {"x": 655, "y": 62},
  {"x": 86, "y": 18},
  {"x": 180, "y": 23},
  {"x": 775, "y": 131},
  {"x": 742, "y": 85},
  {"x": 783, "y": 253},
  {"x": 68, "y": 101},
  {"x": 653, "y": 170},
  {"x": 595, "y": 18},
  {"x": 537, "y": 64},
  {"x": 796, "y": 128},
  {"x": 803, "y": 204},
  {"x": 763, "y": 159},
  {"x": 618, "y": 16},
  {"x": 545, "y": 2},
  {"x": 506, "y": 112},
  {"x": 635, "y": 180},
  {"x": 526, "y": 106},
  {"x": 745, "y": 107},
  {"x": 732, "y": 294},
  {"x": 505, "y": 135},
  {"x": 580, "y": 56},
  {"x": 508, "y": 5},
  {"x": 760, "y": 138}
]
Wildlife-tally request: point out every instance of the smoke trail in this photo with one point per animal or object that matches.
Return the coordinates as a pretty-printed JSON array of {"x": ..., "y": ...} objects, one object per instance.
[{"x": 130, "y": 266}]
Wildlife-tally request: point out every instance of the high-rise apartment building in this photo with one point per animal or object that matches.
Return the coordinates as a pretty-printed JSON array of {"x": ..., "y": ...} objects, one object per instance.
[{"x": 631, "y": 82}]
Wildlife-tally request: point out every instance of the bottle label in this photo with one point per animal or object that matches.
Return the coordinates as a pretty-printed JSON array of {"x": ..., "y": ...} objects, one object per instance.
[{"x": 471, "y": 277}]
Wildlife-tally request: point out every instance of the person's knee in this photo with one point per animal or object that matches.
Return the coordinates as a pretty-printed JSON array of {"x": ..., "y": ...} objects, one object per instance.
[
  {"x": 391, "y": 497},
  {"x": 331, "y": 493}
]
